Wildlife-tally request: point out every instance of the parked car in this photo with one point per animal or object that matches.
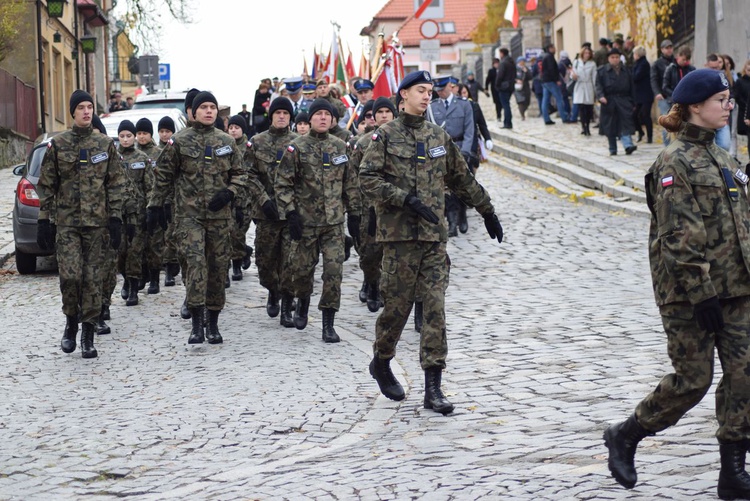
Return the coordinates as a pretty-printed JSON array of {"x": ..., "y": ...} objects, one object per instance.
[
  {"x": 112, "y": 120},
  {"x": 161, "y": 99},
  {"x": 26, "y": 208}
]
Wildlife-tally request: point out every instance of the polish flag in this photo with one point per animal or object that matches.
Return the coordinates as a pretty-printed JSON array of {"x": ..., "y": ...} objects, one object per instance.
[
  {"x": 531, "y": 5},
  {"x": 511, "y": 13}
]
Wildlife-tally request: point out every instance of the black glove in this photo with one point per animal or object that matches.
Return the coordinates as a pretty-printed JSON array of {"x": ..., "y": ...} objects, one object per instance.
[
  {"x": 168, "y": 212},
  {"x": 155, "y": 216},
  {"x": 45, "y": 234},
  {"x": 220, "y": 200},
  {"x": 352, "y": 224},
  {"x": 708, "y": 314},
  {"x": 239, "y": 216},
  {"x": 270, "y": 210},
  {"x": 494, "y": 228},
  {"x": 115, "y": 232},
  {"x": 372, "y": 224},
  {"x": 295, "y": 225},
  {"x": 130, "y": 231},
  {"x": 417, "y": 206}
]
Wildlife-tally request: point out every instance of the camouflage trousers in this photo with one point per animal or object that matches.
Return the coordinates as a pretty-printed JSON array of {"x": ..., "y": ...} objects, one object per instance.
[
  {"x": 154, "y": 249},
  {"x": 131, "y": 254},
  {"x": 79, "y": 259},
  {"x": 409, "y": 268},
  {"x": 272, "y": 246},
  {"x": 205, "y": 244},
  {"x": 109, "y": 274},
  {"x": 304, "y": 256},
  {"x": 691, "y": 350},
  {"x": 370, "y": 252},
  {"x": 169, "y": 256},
  {"x": 238, "y": 234}
]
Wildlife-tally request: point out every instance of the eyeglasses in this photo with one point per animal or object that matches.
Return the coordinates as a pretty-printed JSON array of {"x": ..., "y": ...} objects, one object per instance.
[
  {"x": 368, "y": 115},
  {"x": 727, "y": 104}
]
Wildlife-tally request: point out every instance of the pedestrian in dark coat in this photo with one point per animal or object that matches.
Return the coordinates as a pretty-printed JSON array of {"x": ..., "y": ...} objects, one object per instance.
[
  {"x": 644, "y": 95},
  {"x": 742, "y": 95},
  {"x": 616, "y": 93}
]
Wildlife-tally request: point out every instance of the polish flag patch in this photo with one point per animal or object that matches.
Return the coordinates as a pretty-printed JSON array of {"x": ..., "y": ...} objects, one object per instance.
[
  {"x": 249, "y": 144},
  {"x": 170, "y": 142},
  {"x": 290, "y": 149},
  {"x": 667, "y": 181},
  {"x": 374, "y": 137}
]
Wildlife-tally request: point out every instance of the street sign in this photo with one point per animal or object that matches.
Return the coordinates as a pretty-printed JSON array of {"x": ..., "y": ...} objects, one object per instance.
[
  {"x": 429, "y": 50},
  {"x": 164, "y": 72},
  {"x": 429, "y": 9},
  {"x": 429, "y": 29}
]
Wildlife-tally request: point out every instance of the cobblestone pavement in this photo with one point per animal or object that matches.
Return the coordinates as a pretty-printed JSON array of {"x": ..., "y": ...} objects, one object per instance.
[{"x": 553, "y": 335}]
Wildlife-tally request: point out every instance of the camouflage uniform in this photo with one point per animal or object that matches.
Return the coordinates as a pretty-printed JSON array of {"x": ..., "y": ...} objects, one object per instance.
[
  {"x": 201, "y": 161},
  {"x": 410, "y": 156},
  {"x": 699, "y": 248},
  {"x": 140, "y": 175},
  {"x": 272, "y": 241},
  {"x": 369, "y": 249},
  {"x": 316, "y": 180},
  {"x": 338, "y": 104},
  {"x": 340, "y": 133},
  {"x": 244, "y": 204},
  {"x": 80, "y": 189},
  {"x": 154, "y": 243}
]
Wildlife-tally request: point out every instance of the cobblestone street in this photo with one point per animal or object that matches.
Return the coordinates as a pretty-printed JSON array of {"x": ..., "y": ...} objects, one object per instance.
[{"x": 553, "y": 334}]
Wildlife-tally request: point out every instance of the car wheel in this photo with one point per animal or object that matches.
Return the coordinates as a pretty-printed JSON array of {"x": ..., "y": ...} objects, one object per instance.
[{"x": 26, "y": 263}]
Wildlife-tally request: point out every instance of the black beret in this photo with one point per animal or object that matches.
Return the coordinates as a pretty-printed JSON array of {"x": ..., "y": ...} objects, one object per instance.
[
  {"x": 320, "y": 104},
  {"x": 302, "y": 116},
  {"x": 166, "y": 123},
  {"x": 383, "y": 102},
  {"x": 144, "y": 125},
  {"x": 280, "y": 103},
  {"x": 203, "y": 97},
  {"x": 239, "y": 121},
  {"x": 126, "y": 125},
  {"x": 78, "y": 97},
  {"x": 414, "y": 78},
  {"x": 189, "y": 98},
  {"x": 699, "y": 85},
  {"x": 96, "y": 122}
]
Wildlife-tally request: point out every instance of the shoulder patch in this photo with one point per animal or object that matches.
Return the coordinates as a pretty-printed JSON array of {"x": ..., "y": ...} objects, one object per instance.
[
  {"x": 49, "y": 145},
  {"x": 375, "y": 136},
  {"x": 249, "y": 144},
  {"x": 224, "y": 150},
  {"x": 667, "y": 181},
  {"x": 170, "y": 141},
  {"x": 290, "y": 149},
  {"x": 339, "y": 159}
]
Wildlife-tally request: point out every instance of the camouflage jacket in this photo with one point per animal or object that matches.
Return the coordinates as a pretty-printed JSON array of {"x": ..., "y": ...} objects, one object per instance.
[
  {"x": 140, "y": 176},
  {"x": 355, "y": 158},
  {"x": 262, "y": 157},
  {"x": 151, "y": 150},
  {"x": 200, "y": 162},
  {"x": 338, "y": 104},
  {"x": 315, "y": 179},
  {"x": 340, "y": 133},
  {"x": 699, "y": 238},
  {"x": 82, "y": 182},
  {"x": 410, "y": 156}
]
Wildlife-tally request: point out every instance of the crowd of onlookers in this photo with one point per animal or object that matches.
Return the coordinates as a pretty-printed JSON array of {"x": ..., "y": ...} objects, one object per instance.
[{"x": 117, "y": 104}]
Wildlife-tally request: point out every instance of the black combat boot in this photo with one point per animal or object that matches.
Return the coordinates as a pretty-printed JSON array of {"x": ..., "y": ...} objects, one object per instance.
[
  {"x": 125, "y": 291},
  {"x": 196, "y": 335},
  {"x": 168, "y": 276},
  {"x": 380, "y": 370},
  {"x": 300, "y": 313},
  {"x": 373, "y": 298},
  {"x": 87, "y": 340},
  {"x": 329, "y": 333},
  {"x": 236, "y": 269},
  {"x": 463, "y": 222},
  {"x": 144, "y": 278},
  {"x": 105, "y": 312},
  {"x": 418, "y": 316},
  {"x": 184, "y": 310},
  {"x": 272, "y": 304},
  {"x": 68, "y": 343},
  {"x": 101, "y": 327},
  {"x": 153, "y": 286},
  {"x": 452, "y": 223},
  {"x": 348, "y": 244},
  {"x": 213, "y": 336},
  {"x": 363, "y": 292},
  {"x": 227, "y": 283},
  {"x": 433, "y": 394},
  {"x": 246, "y": 259},
  {"x": 132, "y": 299},
  {"x": 287, "y": 305},
  {"x": 622, "y": 440},
  {"x": 734, "y": 482}
]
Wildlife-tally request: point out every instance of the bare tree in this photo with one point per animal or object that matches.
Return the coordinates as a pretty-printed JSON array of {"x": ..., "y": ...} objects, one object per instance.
[
  {"x": 10, "y": 25},
  {"x": 146, "y": 17}
]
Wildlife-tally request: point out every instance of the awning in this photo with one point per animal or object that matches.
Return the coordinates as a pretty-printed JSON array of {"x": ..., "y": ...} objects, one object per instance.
[{"x": 93, "y": 14}]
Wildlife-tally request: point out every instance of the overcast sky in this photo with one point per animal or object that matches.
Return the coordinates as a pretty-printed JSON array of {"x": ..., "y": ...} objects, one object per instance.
[{"x": 232, "y": 44}]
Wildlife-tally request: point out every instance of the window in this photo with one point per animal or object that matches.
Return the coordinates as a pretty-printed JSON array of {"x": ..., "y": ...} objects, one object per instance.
[
  {"x": 47, "y": 77},
  {"x": 56, "y": 84},
  {"x": 447, "y": 27}
]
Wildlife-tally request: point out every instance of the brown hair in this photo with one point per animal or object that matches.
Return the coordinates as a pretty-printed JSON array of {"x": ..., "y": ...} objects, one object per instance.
[
  {"x": 685, "y": 52},
  {"x": 673, "y": 120}
]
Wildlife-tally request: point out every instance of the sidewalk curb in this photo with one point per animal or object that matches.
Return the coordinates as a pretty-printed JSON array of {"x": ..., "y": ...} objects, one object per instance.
[{"x": 7, "y": 252}]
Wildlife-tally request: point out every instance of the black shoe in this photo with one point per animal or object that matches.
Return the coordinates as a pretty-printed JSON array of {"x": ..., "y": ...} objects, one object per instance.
[
  {"x": 105, "y": 313},
  {"x": 734, "y": 482},
  {"x": 185, "y": 311},
  {"x": 630, "y": 149},
  {"x": 329, "y": 333},
  {"x": 363, "y": 292},
  {"x": 153, "y": 286},
  {"x": 68, "y": 343},
  {"x": 143, "y": 280},
  {"x": 452, "y": 217},
  {"x": 228, "y": 282},
  {"x": 213, "y": 336},
  {"x": 125, "y": 291},
  {"x": 272, "y": 304},
  {"x": 101, "y": 327},
  {"x": 300, "y": 313},
  {"x": 132, "y": 299},
  {"x": 246, "y": 258},
  {"x": 287, "y": 307},
  {"x": 373, "y": 298},
  {"x": 87, "y": 341},
  {"x": 348, "y": 244},
  {"x": 463, "y": 222},
  {"x": 550, "y": 122},
  {"x": 236, "y": 270},
  {"x": 640, "y": 136},
  {"x": 168, "y": 275},
  {"x": 197, "y": 334},
  {"x": 622, "y": 440},
  {"x": 613, "y": 153},
  {"x": 433, "y": 394},
  {"x": 418, "y": 314},
  {"x": 380, "y": 370}
]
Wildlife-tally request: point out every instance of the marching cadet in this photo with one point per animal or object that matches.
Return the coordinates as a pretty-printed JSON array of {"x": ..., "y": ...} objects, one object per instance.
[
  {"x": 404, "y": 172},
  {"x": 80, "y": 199},
  {"x": 205, "y": 167},
  {"x": 302, "y": 123},
  {"x": 262, "y": 158},
  {"x": 240, "y": 252},
  {"x": 294, "y": 87},
  {"x": 454, "y": 114},
  {"x": 169, "y": 256},
  {"x": 154, "y": 243},
  {"x": 323, "y": 90},
  {"x": 314, "y": 187},
  {"x": 109, "y": 263}
]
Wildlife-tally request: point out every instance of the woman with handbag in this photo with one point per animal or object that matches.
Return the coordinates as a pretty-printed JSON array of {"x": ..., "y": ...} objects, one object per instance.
[{"x": 583, "y": 74}]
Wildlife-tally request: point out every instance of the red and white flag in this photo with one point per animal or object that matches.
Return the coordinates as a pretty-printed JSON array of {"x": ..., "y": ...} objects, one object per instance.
[
  {"x": 511, "y": 13},
  {"x": 531, "y": 5}
]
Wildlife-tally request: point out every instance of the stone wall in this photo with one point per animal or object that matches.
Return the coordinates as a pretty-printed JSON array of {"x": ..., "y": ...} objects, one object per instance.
[{"x": 13, "y": 148}]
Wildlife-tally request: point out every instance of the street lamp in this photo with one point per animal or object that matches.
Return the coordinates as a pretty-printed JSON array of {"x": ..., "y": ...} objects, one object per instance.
[
  {"x": 88, "y": 44},
  {"x": 55, "y": 7}
]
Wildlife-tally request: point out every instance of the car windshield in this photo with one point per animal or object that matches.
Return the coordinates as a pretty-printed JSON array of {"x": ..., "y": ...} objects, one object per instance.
[
  {"x": 180, "y": 105},
  {"x": 35, "y": 165}
]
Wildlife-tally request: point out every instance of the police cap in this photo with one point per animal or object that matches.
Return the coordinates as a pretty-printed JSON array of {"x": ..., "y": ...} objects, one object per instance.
[
  {"x": 362, "y": 85},
  {"x": 441, "y": 81},
  {"x": 293, "y": 85}
]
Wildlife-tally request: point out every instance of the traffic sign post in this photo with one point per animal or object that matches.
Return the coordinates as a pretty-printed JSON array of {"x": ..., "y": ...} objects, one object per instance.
[
  {"x": 164, "y": 72},
  {"x": 429, "y": 50}
]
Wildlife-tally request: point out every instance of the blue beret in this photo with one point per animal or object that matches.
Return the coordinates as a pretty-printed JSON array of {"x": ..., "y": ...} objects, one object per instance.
[
  {"x": 361, "y": 85},
  {"x": 293, "y": 84},
  {"x": 441, "y": 81},
  {"x": 415, "y": 78},
  {"x": 699, "y": 85}
]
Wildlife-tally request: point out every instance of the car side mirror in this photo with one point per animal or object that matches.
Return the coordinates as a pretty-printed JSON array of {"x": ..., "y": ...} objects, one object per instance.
[{"x": 18, "y": 169}]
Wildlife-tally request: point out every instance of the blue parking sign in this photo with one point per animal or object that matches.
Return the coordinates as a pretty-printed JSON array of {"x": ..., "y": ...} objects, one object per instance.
[{"x": 164, "y": 72}]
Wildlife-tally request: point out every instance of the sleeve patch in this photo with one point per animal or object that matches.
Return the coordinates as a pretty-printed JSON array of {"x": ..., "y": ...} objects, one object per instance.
[
  {"x": 249, "y": 144},
  {"x": 667, "y": 181},
  {"x": 375, "y": 137},
  {"x": 290, "y": 149},
  {"x": 170, "y": 142}
]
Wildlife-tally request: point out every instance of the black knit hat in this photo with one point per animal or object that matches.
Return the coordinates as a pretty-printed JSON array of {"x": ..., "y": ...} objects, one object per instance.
[
  {"x": 78, "y": 97},
  {"x": 166, "y": 123},
  {"x": 239, "y": 121},
  {"x": 384, "y": 102},
  {"x": 96, "y": 122},
  {"x": 219, "y": 122},
  {"x": 203, "y": 97},
  {"x": 126, "y": 125},
  {"x": 144, "y": 125},
  {"x": 189, "y": 98},
  {"x": 320, "y": 104},
  {"x": 280, "y": 103},
  {"x": 302, "y": 116}
]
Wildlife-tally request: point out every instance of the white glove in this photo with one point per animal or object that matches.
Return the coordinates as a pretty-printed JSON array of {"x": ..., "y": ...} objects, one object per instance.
[{"x": 488, "y": 144}]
